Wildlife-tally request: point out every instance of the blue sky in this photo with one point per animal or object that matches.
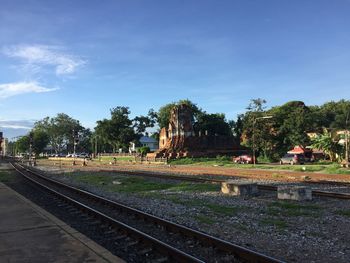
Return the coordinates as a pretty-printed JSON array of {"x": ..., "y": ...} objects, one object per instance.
[{"x": 85, "y": 57}]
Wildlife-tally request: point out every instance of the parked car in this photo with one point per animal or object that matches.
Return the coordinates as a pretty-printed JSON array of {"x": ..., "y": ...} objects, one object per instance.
[
  {"x": 290, "y": 158},
  {"x": 83, "y": 155},
  {"x": 243, "y": 159}
]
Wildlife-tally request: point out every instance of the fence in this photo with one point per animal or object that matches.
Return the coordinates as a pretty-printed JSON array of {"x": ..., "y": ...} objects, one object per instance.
[
  {"x": 151, "y": 159},
  {"x": 119, "y": 154}
]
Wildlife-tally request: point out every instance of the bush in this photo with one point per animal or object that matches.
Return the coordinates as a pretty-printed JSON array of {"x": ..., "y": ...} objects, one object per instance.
[
  {"x": 224, "y": 158},
  {"x": 144, "y": 150}
]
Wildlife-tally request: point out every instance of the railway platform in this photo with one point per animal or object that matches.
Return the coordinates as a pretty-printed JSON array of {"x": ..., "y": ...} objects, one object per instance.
[{"x": 30, "y": 234}]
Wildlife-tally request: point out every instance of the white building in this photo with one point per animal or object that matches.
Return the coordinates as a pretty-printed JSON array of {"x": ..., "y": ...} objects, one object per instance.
[{"x": 145, "y": 141}]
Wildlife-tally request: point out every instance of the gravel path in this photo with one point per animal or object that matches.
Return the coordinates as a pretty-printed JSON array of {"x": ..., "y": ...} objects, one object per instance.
[{"x": 313, "y": 231}]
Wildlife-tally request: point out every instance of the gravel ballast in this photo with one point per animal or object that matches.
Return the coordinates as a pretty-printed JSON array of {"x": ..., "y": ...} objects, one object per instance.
[{"x": 311, "y": 231}]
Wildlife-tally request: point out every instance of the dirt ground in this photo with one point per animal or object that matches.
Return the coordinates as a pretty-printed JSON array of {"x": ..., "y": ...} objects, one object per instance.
[{"x": 277, "y": 175}]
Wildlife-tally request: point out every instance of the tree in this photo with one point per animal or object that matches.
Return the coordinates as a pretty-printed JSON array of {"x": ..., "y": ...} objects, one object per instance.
[
  {"x": 292, "y": 121},
  {"x": 214, "y": 124},
  {"x": 117, "y": 131},
  {"x": 40, "y": 141},
  {"x": 144, "y": 150},
  {"x": 60, "y": 131},
  {"x": 22, "y": 144},
  {"x": 257, "y": 105},
  {"x": 237, "y": 128},
  {"x": 261, "y": 130},
  {"x": 163, "y": 114},
  {"x": 141, "y": 123},
  {"x": 328, "y": 143}
]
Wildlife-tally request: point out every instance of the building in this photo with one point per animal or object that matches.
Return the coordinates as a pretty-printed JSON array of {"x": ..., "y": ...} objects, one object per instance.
[
  {"x": 179, "y": 139},
  {"x": 144, "y": 141}
]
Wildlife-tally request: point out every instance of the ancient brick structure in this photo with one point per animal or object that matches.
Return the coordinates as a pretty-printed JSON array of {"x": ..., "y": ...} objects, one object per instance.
[{"x": 180, "y": 139}]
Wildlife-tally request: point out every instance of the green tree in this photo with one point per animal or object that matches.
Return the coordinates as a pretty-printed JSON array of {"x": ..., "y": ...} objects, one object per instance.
[
  {"x": 22, "y": 144},
  {"x": 141, "y": 123},
  {"x": 40, "y": 141},
  {"x": 261, "y": 130},
  {"x": 117, "y": 131},
  {"x": 163, "y": 114},
  {"x": 144, "y": 150},
  {"x": 237, "y": 128},
  {"x": 60, "y": 131},
  {"x": 329, "y": 143},
  {"x": 292, "y": 121},
  {"x": 214, "y": 123}
]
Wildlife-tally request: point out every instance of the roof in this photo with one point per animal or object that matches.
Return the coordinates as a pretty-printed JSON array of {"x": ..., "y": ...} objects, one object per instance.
[
  {"x": 146, "y": 139},
  {"x": 299, "y": 149}
]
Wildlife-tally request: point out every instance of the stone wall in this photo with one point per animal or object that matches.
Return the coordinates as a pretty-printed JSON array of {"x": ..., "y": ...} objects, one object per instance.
[{"x": 180, "y": 139}]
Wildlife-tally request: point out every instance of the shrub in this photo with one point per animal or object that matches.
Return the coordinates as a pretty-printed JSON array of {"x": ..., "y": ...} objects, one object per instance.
[{"x": 144, "y": 150}]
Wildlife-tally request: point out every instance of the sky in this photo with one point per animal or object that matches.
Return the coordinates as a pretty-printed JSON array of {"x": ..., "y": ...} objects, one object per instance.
[{"x": 85, "y": 57}]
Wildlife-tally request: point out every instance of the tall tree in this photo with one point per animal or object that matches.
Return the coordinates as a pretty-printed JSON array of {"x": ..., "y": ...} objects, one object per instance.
[
  {"x": 163, "y": 114},
  {"x": 329, "y": 143},
  {"x": 60, "y": 131},
  {"x": 214, "y": 124},
  {"x": 40, "y": 140},
  {"x": 22, "y": 144},
  {"x": 117, "y": 131}
]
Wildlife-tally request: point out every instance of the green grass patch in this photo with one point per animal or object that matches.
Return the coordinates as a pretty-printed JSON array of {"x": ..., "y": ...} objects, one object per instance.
[
  {"x": 204, "y": 219},
  {"x": 242, "y": 227},
  {"x": 278, "y": 223},
  {"x": 343, "y": 212},
  {"x": 195, "y": 187},
  {"x": 214, "y": 208},
  {"x": 129, "y": 184},
  {"x": 220, "y": 160},
  {"x": 118, "y": 158},
  {"x": 220, "y": 209},
  {"x": 322, "y": 166},
  {"x": 336, "y": 169},
  {"x": 291, "y": 209},
  {"x": 6, "y": 176}
]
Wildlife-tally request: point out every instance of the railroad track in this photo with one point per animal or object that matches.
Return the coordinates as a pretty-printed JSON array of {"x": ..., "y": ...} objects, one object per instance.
[
  {"x": 219, "y": 181},
  {"x": 158, "y": 239}
]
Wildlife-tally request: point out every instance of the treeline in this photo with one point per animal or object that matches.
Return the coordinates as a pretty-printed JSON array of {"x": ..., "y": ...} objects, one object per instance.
[{"x": 274, "y": 130}]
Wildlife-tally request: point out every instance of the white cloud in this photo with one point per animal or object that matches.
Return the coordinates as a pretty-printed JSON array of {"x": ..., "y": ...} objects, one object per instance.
[
  {"x": 11, "y": 126},
  {"x": 17, "y": 88},
  {"x": 40, "y": 55},
  {"x": 17, "y": 124}
]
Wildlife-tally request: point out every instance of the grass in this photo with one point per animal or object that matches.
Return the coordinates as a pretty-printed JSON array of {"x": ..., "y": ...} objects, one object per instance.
[
  {"x": 280, "y": 208},
  {"x": 118, "y": 158},
  {"x": 343, "y": 212},
  {"x": 192, "y": 187},
  {"x": 129, "y": 184},
  {"x": 220, "y": 209},
  {"x": 278, "y": 223},
  {"x": 6, "y": 176},
  {"x": 204, "y": 219},
  {"x": 323, "y": 166},
  {"x": 145, "y": 187},
  {"x": 214, "y": 208}
]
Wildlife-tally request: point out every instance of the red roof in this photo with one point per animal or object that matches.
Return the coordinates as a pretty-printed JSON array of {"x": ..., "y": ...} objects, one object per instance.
[{"x": 299, "y": 149}]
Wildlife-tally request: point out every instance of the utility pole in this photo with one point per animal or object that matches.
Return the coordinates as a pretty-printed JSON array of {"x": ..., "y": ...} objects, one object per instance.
[
  {"x": 346, "y": 141},
  {"x": 254, "y": 121},
  {"x": 30, "y": 148},
  {"x": 75, "y": 142}
]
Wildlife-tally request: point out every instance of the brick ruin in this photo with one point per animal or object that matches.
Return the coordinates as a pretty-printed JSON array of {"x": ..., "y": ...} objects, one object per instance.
[{"x": 181, "y": 140}]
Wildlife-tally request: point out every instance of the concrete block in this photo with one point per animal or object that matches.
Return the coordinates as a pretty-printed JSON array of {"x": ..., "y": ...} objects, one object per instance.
[
  {"x": 239, "y": 189},
  {"x": 298, "y": 193}
]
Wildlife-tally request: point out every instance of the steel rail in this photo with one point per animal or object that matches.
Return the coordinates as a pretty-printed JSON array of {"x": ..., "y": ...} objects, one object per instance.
[
  {"x": 239, "y": 251},
  {"x": 219, "y": 181},
  {"x": 163, "y": 248}
]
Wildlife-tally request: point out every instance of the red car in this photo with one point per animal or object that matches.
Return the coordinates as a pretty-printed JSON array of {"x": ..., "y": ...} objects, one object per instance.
[{"x": 243, "y": 159}]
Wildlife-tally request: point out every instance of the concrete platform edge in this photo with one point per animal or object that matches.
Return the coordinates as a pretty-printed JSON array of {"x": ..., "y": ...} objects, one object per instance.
[{"x": 87, "y": 242}]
